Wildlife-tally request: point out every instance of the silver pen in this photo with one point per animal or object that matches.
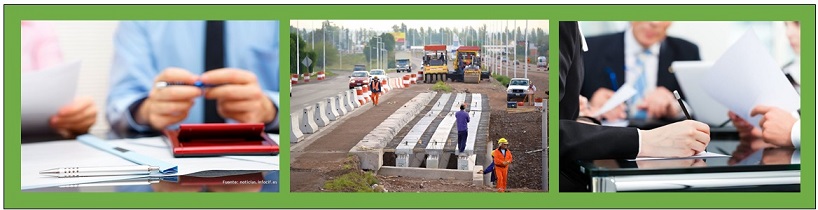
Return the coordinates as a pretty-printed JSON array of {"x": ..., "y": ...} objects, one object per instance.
[{"x": 100, "y": 171}]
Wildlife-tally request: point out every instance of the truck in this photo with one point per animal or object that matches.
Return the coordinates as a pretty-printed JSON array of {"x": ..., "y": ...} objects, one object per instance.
[
  {"x": 435, "y": 65},
  {"x": 517, "y": 89},
  {"x": 403, "y": 64},
  {"x": 466, "y": 63},
  {"x": 359, "y": 67}
]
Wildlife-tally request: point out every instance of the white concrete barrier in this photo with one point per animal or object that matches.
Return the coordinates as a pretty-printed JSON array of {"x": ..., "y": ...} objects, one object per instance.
[
  {"x": 295, "y": 131},
  {"x": 330, "y": 112},
  {"x": 352, "y": 100},
  {"x": 338, "y": 103},
  {"x": 308, "y": 125},
  {"x": 320, "y": 115},
  {"x": 370, "y": 148},
  {"x": 405, "y": 150},
  {"x": 441, "y": 135}
]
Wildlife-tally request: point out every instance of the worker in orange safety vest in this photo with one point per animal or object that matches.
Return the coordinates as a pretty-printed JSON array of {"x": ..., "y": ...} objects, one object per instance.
[{"x": 502, "y": 159}]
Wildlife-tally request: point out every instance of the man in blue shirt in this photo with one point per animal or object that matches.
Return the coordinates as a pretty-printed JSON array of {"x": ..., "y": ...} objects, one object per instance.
[
  {"x": 462, "y": 127},
  {"x": 237, "y": 61}
]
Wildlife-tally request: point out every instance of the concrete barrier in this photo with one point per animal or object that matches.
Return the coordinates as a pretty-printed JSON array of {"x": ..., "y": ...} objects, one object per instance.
[
  {"x": 308, "y": 126},
  {"x": 320, "y": 115},
  {"x": 339, "y": 104},
  {"x": 405, "y": 150},
  {"x": 295, "y": 131},
  {"x": 441, "y": 135},
  {"x": 370, "y": 149},
  {"x": 331, "y": 112},
  {"x": 352, "y": 102}
]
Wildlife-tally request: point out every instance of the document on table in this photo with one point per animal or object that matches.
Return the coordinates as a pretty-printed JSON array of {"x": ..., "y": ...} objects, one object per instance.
[
  {"x": 704, "y": 154},
  {"x": 44, "y": 92},
  {"x": 36, "y": 157},
  {"x": 746, "y": 76},
  {"x": 620, "y": 96}
]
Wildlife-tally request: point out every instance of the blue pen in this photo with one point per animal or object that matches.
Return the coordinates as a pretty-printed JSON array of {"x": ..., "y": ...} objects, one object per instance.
[
  {"x": 198, "y": 84},
  {"x": 612, "y": 75}
]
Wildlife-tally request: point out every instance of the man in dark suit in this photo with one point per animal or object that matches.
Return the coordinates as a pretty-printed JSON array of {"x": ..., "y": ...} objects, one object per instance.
[
  {"x": 588, "y": 141},
  {"x": 640, "y": 56}
]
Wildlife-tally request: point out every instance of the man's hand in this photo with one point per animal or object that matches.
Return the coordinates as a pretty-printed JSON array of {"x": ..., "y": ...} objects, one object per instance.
[
  {"x": 746, "y": 131},
  {"x": 169, "y": 105},
  {"x": 75, "y": 118},
  {"x": 680, "y": 139},
  {"x": 660, "y": 103},
  {"x": 239, "y": 97},
  {"x": 776, "y": 125},
  {"x": 599, "y": 98}
]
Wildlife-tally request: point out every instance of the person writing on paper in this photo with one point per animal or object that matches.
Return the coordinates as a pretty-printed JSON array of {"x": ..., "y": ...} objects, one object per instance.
[
  {"x": 640, "y": 57},
  {"x": 778, "y": 127},
  {"x": 589, "y": 141},
  {"x": 234, "y": 62},
  {"x": 40, "y": 50}
]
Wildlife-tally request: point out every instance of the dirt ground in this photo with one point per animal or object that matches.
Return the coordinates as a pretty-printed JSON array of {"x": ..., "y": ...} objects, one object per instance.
[{"x": 323, "y": 159}]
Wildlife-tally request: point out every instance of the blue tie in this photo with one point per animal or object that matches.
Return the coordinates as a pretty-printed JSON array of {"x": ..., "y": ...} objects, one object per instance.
[{"x": 640, "y": 85}]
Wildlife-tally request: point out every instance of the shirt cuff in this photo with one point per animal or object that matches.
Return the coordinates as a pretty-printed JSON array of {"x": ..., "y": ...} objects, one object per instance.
[
  {"x": 796, "y": 157},
  {"x": 795, "y": 134},
  {"x": 274, "y": 125},
  {"x": 132, "y": 111},
  {"x": 639, "y": 132}
]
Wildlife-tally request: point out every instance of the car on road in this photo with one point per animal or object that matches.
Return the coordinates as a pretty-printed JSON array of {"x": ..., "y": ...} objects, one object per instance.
[
  {"x": 504, "y": 59},
  {"x": 358, "y": 78},
  {"x": 517, "y": 88},
  {"x": 379, "y": 73},
  {"x": 541, "y": 62},
  {"x": 359, "y": 67},
  {"x": 403, "y": 65}
]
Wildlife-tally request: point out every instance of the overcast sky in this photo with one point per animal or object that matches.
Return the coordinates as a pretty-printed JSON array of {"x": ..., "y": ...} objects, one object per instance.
[{"x": 386, "y": 25}]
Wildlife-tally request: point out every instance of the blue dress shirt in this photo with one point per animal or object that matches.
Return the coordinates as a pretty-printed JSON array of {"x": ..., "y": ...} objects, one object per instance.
[{"x": 143, "y": 49}]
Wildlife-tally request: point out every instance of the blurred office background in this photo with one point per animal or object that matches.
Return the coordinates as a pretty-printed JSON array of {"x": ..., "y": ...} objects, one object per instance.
[
  {"x": 92, "y": 43},
  {"x": 712, "y": 37}
]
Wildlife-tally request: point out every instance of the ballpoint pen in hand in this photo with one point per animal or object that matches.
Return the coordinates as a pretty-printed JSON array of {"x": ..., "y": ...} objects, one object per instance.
[
  {"x": 199, "y": 84},
  {"x": 679, "y": 98},
  {"x": 100, "y": 171}
]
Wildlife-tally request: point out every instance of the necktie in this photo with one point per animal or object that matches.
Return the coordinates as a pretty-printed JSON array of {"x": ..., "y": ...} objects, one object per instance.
[
  {"x": 214, "y": 59},
  {"x": 640, "y": 85}
]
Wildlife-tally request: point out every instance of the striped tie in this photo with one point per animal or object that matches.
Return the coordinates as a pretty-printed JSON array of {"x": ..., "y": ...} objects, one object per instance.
[{"x": 640, "y": 85}]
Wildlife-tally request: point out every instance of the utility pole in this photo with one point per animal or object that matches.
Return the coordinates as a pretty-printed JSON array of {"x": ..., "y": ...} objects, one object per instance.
[
  {"x": 515, "y": 48},
  {"x": 297, "y": 49},
  {"x": 526, "y": 49},
  {"x": 324, "y": 57}
]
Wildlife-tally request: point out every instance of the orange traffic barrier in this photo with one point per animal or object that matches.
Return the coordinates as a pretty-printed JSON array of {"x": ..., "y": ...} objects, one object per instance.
[{"x": 294, "y": 79}]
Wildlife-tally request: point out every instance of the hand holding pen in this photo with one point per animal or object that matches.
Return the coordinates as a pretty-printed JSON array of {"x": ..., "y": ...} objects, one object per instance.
[{"x": 168, "y": 104}]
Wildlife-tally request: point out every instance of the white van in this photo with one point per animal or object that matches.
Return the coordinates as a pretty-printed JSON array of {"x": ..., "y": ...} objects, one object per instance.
[{"x": 541, "y": 61}]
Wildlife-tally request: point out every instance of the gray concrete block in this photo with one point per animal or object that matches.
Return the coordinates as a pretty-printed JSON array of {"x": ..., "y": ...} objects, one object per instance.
[
  {"x": 339, "y": 103},
  {"x": 308, "y": 125},
  {"x": 319, "y": 115},
  {"x": 295, "y": 131},
  {"x": 330, "y": 112}
]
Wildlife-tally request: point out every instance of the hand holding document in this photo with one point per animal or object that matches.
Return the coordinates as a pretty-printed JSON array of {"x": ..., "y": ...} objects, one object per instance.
[
  {"x": 746, "y": 76},
  {"x": 620, "y": 96},
  {"x": 44, "y": 92}
]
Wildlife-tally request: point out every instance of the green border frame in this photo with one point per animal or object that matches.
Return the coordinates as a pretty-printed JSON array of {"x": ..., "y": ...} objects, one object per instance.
[{"x": 16, "y": 199}]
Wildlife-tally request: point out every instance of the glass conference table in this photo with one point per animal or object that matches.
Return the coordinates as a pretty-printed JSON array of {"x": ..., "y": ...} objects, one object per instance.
[
  {"x": 750, "y": 168},
  {"x": 204, "y": 181},
  {"x": 209, "y": 181}
]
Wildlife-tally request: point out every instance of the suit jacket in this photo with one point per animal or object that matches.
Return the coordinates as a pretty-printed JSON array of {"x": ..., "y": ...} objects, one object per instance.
[
  {"x": 579, "y": 141},
  {"x": 606, "y": 54}
]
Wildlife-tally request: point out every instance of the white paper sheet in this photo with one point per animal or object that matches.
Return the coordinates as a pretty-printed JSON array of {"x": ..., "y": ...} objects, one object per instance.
[
  {"x": 704, "y": 154},
  {"x": 44, "y": 92},
  {"x": 36, "y": 157},
  {"x": 747, "y": 76},
  {"x": 620, "y": 96}
]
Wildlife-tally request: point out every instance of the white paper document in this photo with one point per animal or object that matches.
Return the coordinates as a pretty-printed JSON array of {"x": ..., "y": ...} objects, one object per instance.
[
  {"x": 620, "y": 96},
  {"x": 36, "y": 157},
  {"x": 704, "y": 154},
  {"x": 747, "y": 76},
  {"x": 44, "y": 92}
]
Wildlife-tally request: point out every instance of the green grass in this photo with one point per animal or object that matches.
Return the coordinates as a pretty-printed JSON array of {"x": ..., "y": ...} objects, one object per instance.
[
  {"x": 502, "y": 79},
  {"x": 354, "y": 180},
  {"x": 442, "y": 86}
]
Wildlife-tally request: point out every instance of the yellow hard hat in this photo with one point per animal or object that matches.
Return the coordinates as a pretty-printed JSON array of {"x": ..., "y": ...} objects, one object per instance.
[{"x": 502, "y": 141}]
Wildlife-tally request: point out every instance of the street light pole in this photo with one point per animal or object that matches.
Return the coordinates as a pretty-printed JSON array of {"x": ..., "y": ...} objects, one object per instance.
[
  {"x": 324, "y": 57},
  {"x": 515, "y": 48},
  {"x": 526, "y": 49},
  {"x": 297, "y": 49}
]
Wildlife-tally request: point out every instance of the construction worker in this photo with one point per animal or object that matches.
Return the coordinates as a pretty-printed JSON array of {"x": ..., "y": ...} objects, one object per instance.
[
  {"x": 376, "y": 89},
  {"x": 502, "y": 159}
]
